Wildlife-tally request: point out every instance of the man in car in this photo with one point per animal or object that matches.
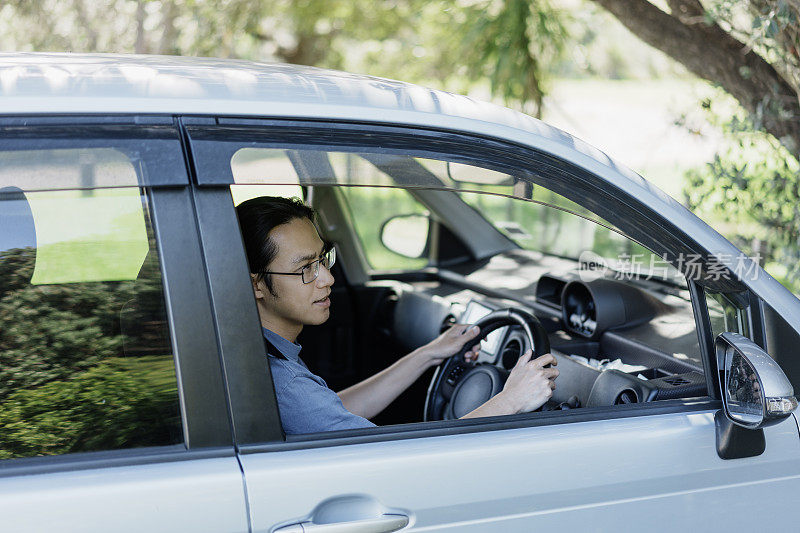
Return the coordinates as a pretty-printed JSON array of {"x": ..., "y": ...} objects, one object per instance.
[{"x": 290, "y": 273}]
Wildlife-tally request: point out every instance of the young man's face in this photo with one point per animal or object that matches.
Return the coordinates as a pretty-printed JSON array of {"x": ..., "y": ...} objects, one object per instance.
[{"x": 295, "y": 303}]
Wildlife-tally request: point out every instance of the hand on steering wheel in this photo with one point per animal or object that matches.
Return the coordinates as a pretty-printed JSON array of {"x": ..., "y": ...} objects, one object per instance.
[
  {"x": 458, "y": 387},
  {"x": 455, "y": 340},
  {"x": 531, "y": 382}
]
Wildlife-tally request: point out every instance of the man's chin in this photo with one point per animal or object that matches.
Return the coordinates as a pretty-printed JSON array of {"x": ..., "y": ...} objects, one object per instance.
[{"x": 320, "y": 317}]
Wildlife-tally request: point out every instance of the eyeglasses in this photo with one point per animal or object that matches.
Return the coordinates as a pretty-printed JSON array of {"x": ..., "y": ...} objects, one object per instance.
[{"x": 310, "y": 272}]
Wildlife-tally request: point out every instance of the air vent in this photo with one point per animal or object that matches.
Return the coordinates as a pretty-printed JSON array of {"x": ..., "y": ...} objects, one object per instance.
[
  {"x": 511, "y": 352},
  {"x": 676, "y": 381}
]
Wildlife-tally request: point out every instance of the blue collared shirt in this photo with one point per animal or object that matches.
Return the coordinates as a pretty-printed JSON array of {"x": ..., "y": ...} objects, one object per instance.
[{"x": 305, "y": 402}]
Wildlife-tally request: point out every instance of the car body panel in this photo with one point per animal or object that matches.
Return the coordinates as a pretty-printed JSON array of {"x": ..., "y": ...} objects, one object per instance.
[
  {"x": 650, "y": 472},
  {"x": 197, "y": 495}
]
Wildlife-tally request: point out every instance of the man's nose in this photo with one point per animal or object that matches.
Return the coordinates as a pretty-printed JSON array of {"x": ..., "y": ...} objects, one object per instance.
[{"x": 324, "y": 277}]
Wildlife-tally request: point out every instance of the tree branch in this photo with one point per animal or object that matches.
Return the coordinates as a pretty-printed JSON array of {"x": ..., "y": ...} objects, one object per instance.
[
  {"x": 85, "y": 22},
  {"x": 687, "y": 11},
  {"x": 712, "y": 54}
]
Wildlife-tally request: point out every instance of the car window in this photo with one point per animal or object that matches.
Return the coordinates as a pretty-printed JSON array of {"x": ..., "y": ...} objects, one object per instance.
[
  {"x": 501, "y": 234},
  {"x": 251, "y": 166},
  {"x": 368, "y": 208},
  {"x": 85, "y": 354}
]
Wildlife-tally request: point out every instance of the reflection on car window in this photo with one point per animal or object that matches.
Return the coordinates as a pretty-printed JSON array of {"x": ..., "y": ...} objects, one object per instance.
[{"x": 85, "y": 355}]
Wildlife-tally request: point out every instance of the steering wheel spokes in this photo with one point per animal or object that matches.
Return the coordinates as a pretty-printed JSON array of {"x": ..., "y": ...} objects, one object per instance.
[{"x": 459, "y": 387}]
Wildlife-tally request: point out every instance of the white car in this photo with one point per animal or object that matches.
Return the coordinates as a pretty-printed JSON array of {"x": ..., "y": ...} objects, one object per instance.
[{"x": 135, "y": 393}]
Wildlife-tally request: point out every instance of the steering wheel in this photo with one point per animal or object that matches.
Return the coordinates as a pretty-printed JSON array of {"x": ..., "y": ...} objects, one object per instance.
[{"x": 459, "y": 387}]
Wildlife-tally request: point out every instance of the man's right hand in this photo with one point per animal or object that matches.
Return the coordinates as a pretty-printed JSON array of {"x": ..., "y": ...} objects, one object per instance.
[{"x": 530, "y": 385}]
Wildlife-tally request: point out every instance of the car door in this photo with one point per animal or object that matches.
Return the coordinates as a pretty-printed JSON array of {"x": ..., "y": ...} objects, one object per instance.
[
  {"x": 652, "y": 465},
  {"x": 112, "y": 409}
]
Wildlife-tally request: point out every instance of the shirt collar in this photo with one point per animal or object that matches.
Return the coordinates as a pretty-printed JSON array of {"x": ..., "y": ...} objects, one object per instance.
[{"x": 288, "y": 349}]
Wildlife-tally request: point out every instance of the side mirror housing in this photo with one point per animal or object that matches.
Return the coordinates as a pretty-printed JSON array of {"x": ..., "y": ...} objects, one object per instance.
[{"x": 754, "y": 389}]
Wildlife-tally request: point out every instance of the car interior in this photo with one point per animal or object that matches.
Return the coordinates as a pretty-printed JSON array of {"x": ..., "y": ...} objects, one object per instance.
[{"x": 418, "y": 252}]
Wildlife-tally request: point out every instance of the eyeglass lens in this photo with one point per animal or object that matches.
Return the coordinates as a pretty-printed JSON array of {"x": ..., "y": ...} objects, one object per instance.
[{"x": 311, "y": 271}]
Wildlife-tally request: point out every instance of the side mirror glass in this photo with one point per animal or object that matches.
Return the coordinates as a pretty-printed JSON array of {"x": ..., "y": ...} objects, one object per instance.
[
  {"x": 755, "y": 391},
  {"x": 406, "y": 235}
]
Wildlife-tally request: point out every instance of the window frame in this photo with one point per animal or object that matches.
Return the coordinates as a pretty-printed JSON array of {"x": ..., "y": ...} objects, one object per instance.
[
  {"x": 164, "y": 182},
  {"x": 213, "y": 141}
]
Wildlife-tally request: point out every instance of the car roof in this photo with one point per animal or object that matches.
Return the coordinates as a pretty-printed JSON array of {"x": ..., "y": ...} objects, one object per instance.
[
  {"x": 80, "y": 84},
  {"x": 32, "y": 83}
]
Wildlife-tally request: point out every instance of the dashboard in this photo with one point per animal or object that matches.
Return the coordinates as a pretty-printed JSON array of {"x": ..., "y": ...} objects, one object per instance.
[{"x": 616, "y": 342}]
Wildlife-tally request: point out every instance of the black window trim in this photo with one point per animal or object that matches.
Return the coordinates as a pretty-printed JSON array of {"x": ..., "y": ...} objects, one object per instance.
[
  {"x": 204, "y": 407},
  {"x": 121, "y": 132}
]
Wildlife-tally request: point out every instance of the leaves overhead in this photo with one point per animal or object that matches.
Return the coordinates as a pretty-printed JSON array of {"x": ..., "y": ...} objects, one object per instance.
[
  {"x": 511, "y": 43},
  {"x": 449, "y": 43}
]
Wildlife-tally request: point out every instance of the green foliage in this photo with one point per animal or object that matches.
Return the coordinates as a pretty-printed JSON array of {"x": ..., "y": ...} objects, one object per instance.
[
  {"x": 753, "y": 188},
  {"x": 49, "y": 331},
  {"x": 770, "y": 27},
  {"x": 16, "y": 269},
  {"x": 63, "y": 386},
  {"x": 452, "y": 44},
  {"x": 370, "y": 207},
  {"x": 512, "y": 42},
  {"x": 545, "y": 228},
  {"x": 116, "y": 404}
]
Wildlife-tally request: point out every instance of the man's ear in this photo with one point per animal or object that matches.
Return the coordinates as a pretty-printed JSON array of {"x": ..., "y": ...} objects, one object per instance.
[{"x": 258, "y": 286}]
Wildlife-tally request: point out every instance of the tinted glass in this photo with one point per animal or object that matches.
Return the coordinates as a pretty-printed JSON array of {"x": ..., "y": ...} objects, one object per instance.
[{"x": 85, "y": 355}]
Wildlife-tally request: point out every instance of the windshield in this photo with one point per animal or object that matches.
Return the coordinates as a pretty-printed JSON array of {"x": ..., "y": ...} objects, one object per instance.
[{"x": 541, "y": 220}]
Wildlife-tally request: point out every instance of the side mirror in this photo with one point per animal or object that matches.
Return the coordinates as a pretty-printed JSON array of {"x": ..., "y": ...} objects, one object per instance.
[
  {"x": 406, "y": 235},
  {"x": 755, "y": 391}
]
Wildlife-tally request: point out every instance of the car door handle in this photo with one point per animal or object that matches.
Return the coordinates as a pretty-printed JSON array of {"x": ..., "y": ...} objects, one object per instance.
[{"x": 384, "y": 524}]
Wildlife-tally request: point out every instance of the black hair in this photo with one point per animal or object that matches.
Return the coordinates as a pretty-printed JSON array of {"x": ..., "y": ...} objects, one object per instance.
[{"x": 257, "y": 218}]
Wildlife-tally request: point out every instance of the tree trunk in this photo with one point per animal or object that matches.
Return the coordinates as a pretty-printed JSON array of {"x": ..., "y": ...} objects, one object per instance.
[
  {"x": 169, "y": 34},
  {"x": 140, "y": 46},
  {"x": 709, "y": 52}
]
